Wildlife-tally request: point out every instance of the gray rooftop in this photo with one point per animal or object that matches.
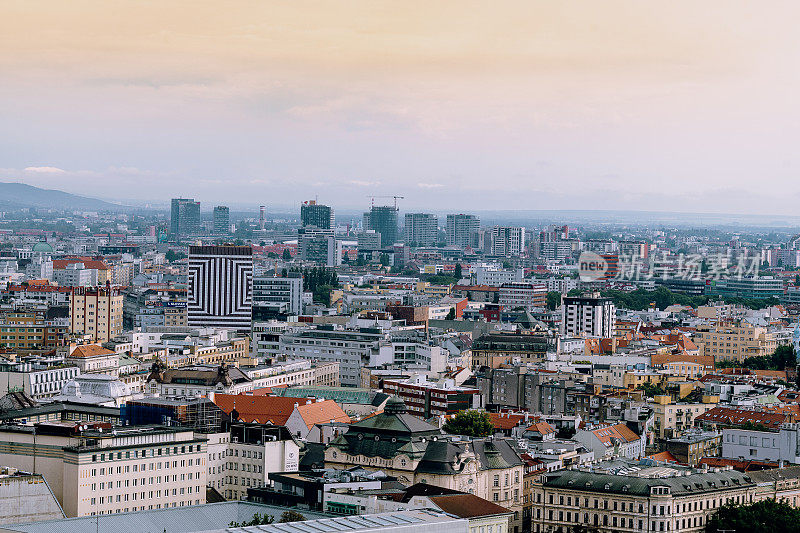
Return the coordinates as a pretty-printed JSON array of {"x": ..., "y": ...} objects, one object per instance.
[
  {"x": 680, "y": 485},
  {"x": 422, "y": 518},
  {"x": 191, "y": 519}
]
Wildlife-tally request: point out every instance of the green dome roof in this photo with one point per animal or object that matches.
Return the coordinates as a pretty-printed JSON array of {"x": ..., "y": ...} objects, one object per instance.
[{"x": 42, "y": 247}]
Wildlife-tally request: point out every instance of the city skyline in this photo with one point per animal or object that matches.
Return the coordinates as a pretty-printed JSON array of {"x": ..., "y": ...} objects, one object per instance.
[{"x": 680, "y": 107}]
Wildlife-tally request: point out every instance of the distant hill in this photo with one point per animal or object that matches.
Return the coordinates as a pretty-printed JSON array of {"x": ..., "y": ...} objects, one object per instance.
[{"x": 18, "y": 195}]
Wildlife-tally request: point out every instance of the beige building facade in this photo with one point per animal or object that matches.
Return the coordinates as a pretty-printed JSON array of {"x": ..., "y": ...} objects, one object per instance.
[{"x": 116, "y": 470}]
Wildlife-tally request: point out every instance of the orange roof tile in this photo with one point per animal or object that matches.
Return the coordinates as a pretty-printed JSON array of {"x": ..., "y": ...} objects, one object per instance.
[
  {"x": 321, "y": 412},
  {"x": 90, "y": 350},
  {"x": 506, "y": 421},
  {"x": 665, "y": 457},
  {"x": 542, "y": 427},
  {"x": 619, "y": 431},
  {"x": 277, "y": 409}
]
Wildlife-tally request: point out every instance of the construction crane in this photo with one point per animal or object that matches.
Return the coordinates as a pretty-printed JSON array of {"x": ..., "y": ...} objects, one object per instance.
[{"x": 372, "y": 199}]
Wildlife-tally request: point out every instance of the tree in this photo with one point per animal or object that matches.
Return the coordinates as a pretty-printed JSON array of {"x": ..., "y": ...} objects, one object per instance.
[
  {"x": 457, "y": 271},
  {"x": 287, "y": 255},
  {"x": 322, "y": 294},
  {"x": 384, "y": 259},
  {"x": 506, "y": 264},
  {"x": 553, "y": 300},
  {"x": 651, "y": 390},
  {"x": 291, "y": 516},
  {"x": 257, "y": 520},
  {"x": 173, "y": 256},
  {"x": 470, "y": 423},
  {"x": 765, "y": 516},
  {"x": 451, "y": 314}
]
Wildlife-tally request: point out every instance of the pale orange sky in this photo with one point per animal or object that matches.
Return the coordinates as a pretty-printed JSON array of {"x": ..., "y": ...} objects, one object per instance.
[{"x": 687, "y": 106}]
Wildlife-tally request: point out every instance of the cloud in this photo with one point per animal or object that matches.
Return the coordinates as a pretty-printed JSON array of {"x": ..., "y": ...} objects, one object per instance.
[
  {"x": 430, "y": 185},
  {"x": 45, "y": 170},
  {"x": 359, "y": 183}
]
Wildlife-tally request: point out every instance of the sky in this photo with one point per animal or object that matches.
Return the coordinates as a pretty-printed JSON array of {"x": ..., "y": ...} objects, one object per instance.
[{"x": 671, "y": 106}]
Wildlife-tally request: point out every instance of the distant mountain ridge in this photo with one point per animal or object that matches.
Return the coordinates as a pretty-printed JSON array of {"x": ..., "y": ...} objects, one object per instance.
[{"x": 15, "y": 195}]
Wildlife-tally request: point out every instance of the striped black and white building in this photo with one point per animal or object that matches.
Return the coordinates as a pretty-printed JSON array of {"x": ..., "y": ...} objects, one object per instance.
[{"x": 220, "y": 286}]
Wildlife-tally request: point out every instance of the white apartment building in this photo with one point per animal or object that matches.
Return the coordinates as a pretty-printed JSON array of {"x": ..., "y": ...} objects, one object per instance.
[
  {"x": 266, "y": 339},
  {"x": 462, "y": 230},
  {"x": 507, "y": 241},
  {"x": 244, "y": 456},
  {"x": 76, "y": 275},
  {"x": 38, "y": 383},
  {"x": 283, "y": 294},
  {"x": 588, "y": 316},
  {"x": 421, "y": 229},
  {"x": 525, "y": 295},
  {"x": 494, "y": 275},
  {"x": 779, "y": 447},
  {"x": 353, "y": 349},
  {"x": 118, "y": 470}
]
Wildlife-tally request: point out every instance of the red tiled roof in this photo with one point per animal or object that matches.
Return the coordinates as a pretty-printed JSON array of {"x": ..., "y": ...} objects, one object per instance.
[
  {"x": 732, "y": 416},
  {"x": 278, "y": 409},
  {"x": 467, "y": 505},
  {"x": 619, "y": 431},
  {"x": 541, "y": 427},
  {"x": 664, "y": 457},
  {"x": 90, "y": 350},
  {"x": 506, "y": 421},
  {"x": 741, "y": 466}
]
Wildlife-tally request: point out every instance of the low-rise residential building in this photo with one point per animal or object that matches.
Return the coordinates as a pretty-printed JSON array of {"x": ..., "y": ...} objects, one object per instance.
[
  {"x": 781, "y": 446},
  {"x": 496, "y": 349},
  {"x": 93, "y": 359},
  {"x": 39, "y": 381},
  {"x": 31, "y": 331},
  {"x": 425, "y": 399},
  {"x": 692, "y": 446},
  {"x": 673, "y": 418},
  {"x": 736, "y": 341},
  {"x": 617, "y": 440}
]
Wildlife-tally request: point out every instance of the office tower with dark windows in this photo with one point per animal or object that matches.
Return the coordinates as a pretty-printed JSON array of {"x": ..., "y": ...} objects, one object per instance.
[
  {"x": 219, "y": 285},
  {"x": 314, "y": 214},
  {"x": 222, "y": 220},
  {"x": 275, "y": 296},
  {"x": 462, "y": 230},
  {"x": 184, "y": 218},
  {"x": 382, "y": 219},
  {"x": 421, "y": 229}
]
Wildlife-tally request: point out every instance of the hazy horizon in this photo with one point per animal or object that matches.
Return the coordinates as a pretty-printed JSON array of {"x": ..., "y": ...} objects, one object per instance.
[{"x": 678, "y": 107}]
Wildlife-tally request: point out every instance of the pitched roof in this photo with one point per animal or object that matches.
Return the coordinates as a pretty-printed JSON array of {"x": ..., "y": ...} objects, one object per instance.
[
  {"x": 736, "y": 464},
  {"x": 732, "y": 416},
  {"x": 664, "y": 457},
  {"x": 618, "y": 431},
  {"x": 90, "y": 350},
  {"x": 322, "y": 411},
  {"x": 261, "y": 409},
  {"x": 541, "y": 427},
  {"x": 467, "y": 505},
  {"x": 506, "y": 421},
  {"x": 277, "y": 410}
]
